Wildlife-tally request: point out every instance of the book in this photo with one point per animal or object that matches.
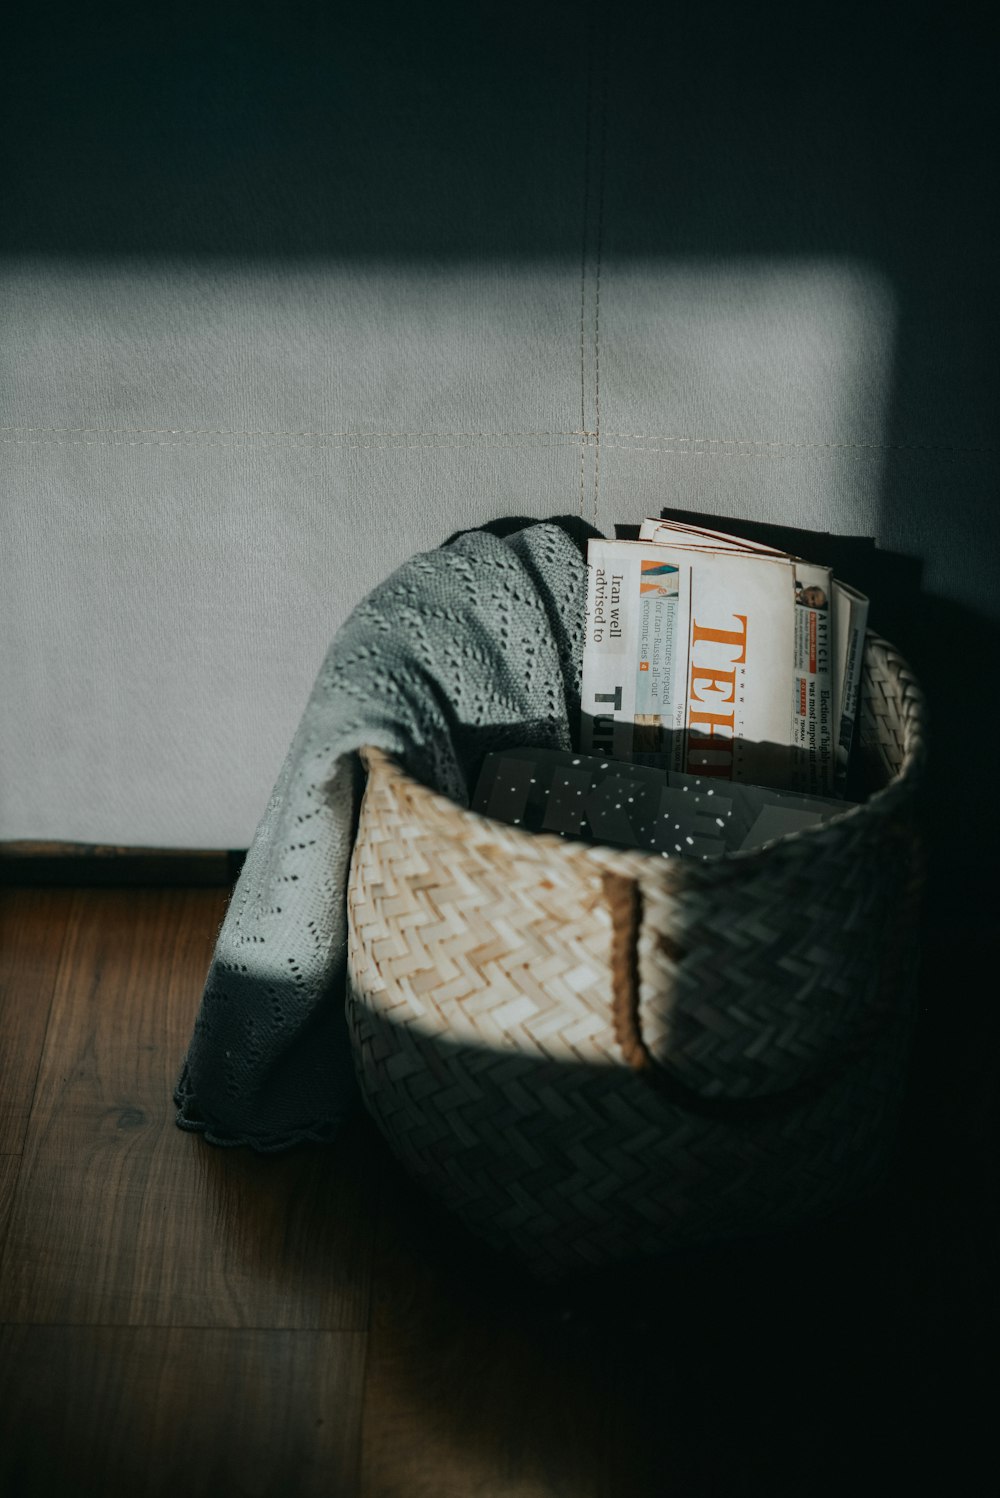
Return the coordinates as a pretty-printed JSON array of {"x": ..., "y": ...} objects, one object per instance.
[{"x": 709, "y": 657}]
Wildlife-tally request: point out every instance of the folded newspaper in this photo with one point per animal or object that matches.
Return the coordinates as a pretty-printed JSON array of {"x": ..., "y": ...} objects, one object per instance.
[
  {"x": 629, "y": 805},
  {"x": 712, "y": 656}
]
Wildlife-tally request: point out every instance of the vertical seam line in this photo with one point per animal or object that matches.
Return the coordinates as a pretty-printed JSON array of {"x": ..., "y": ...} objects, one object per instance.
[
  {"x": 597, "y": 284},
  {"x": 584, "y": 439}
]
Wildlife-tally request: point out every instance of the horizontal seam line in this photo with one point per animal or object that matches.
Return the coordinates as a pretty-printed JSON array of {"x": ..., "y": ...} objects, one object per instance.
[
  {"x": 354, "y": 444},
  {"x": 767, "y": 442},
  {"x": 680, "y": 448},
  {"x": 347, "y": 437},
  {"x": 789, "y": 450},
  {"x": 289, "y": 432}
]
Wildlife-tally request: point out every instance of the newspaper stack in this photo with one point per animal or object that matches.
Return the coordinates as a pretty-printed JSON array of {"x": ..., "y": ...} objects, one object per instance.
[
  {"x": 712, "y": 656},
  {"x": 632, "y": 806}
]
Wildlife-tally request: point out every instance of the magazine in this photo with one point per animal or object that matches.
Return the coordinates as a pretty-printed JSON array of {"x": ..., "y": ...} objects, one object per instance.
[{"x": 706, "y": 656}]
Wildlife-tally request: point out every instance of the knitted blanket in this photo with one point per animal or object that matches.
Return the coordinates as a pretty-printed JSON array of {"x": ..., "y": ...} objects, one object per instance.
[{"x": 473, "y": 647}]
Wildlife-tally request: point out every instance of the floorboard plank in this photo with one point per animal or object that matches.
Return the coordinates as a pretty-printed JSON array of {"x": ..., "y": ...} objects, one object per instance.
[
  {"x": 101, "y": 1412},
  {"x": 122, "y": 1218},
  {"x": 32, "y": 927}
]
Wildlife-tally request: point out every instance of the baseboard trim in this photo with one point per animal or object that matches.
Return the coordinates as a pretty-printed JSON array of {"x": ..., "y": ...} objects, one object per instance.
[{"x": 54, "y": 863}]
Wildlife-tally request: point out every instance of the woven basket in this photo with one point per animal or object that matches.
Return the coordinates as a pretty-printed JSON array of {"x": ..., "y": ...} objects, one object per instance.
[{"x": 591, "y": 1055}]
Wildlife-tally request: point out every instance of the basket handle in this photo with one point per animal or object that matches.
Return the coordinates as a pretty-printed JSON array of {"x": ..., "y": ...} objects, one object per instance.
[{"x": 625, "y": 905}]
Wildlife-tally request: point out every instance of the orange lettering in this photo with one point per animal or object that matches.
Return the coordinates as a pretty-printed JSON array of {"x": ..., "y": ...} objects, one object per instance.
[
  {"x": 724, "y": 637},
  {"x": 717, "y": 678}
]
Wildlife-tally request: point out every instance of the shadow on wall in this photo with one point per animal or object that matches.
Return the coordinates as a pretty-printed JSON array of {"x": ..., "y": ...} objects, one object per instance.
[
  {"x": 497, "y": 132},
  {"x": 664, "y": 138}
]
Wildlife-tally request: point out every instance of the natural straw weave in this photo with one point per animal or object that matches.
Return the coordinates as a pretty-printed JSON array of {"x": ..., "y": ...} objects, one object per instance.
[{"x": 591, "y": 1054}]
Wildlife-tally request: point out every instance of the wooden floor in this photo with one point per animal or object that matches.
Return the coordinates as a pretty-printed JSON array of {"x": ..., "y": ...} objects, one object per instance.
[{"x": 179, "y": 1319}]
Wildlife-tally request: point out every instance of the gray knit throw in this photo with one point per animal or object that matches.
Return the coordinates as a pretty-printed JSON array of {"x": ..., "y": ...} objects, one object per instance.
[{"x": 473, "y": 647}]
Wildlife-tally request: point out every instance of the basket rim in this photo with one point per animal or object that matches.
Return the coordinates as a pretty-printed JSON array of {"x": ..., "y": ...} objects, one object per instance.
[{"x": 638, "y": 862}]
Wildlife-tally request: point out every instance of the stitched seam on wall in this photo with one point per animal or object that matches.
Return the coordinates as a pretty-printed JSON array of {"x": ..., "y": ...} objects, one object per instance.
[
  {"x": 361, "y": 444},
  {"x": 264, "y": 432},
  {"x": 766, "y": 443},
  {"x": 775, "y": 454},
  {"x": 672, "y": 443},
  {"x": 597, "y": 279},
  {"x": 783, "y": 450},
  {"x": 583, "y": 261}
]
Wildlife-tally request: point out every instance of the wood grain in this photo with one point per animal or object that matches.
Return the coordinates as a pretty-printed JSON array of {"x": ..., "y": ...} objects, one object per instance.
[
  {"x": 32, "y": 929},
  {"x": 100, "y": 1412},
  {"x": 123, "y": 1219}
]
